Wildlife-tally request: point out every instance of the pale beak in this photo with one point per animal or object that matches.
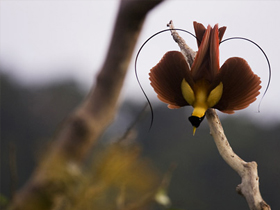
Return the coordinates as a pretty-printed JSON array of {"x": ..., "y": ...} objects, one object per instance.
[{"x": 194, "y": 129}]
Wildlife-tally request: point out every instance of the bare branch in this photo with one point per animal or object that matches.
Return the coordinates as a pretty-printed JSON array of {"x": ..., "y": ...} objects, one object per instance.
[
  {"x": 188, "y": 52},
  {"x": 60, "y": 167},
  {"x": 248, "y": 172}
]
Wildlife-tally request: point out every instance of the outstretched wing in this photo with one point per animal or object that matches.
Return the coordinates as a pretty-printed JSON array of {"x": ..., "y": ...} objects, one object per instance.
[
  {"x": 166, "y": 78},
  {"x": 240, "y": 85}
]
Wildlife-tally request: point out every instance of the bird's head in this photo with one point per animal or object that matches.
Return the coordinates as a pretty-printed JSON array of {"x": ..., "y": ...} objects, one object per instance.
[{"x": 195, "y": 121}]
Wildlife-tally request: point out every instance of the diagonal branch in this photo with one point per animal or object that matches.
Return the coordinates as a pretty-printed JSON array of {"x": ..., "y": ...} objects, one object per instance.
[
  {"x": 248, "y": 172},
  {"x": 188, "y": 52},
  {"x": 61, "y": 166}
]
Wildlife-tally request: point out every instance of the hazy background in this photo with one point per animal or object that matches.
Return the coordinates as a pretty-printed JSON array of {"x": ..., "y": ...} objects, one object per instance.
[
  {"x": 43, "y": 41},
  {"x": 51, "y": 51},
  {"x": 31, "y": 116}
]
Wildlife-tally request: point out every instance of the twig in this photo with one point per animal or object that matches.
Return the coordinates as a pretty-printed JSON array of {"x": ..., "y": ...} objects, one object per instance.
[
  {"x": 188, "y": 52},
  {"x": 59, "y": 169},
  {"x": 248, "y": 172}
]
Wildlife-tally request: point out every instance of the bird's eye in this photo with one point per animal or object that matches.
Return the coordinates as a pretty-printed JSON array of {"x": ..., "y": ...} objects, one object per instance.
[{"x": 195, "y": 121}]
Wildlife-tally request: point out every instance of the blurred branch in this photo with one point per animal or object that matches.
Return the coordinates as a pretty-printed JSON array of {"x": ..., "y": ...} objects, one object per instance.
[
  {"x": 142, "y": 202},
  {"x": 129, "y": 130},
  {"x": 248, "y": 172},
  {"x": 60, "y": 168}
]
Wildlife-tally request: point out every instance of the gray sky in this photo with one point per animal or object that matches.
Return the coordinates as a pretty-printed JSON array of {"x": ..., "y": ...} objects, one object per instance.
[{"x": 42, "y": 41}]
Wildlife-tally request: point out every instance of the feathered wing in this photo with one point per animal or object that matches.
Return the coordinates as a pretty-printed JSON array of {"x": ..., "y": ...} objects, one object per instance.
[
  {"x": 166, "y": 78},
  {"x": 240, "y": 85}
]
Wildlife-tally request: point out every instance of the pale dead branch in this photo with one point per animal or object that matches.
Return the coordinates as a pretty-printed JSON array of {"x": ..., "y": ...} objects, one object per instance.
[
  {"x": 248, "y": 171},
  {"x": 188, "y": 52}
]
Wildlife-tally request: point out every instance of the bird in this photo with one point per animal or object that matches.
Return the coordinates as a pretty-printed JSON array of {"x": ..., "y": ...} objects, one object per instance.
[{"x": 204, "y": 84}]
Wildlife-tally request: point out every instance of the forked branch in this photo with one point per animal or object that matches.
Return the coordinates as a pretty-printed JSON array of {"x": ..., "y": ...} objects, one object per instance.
[{"x": 248, "y": 171}]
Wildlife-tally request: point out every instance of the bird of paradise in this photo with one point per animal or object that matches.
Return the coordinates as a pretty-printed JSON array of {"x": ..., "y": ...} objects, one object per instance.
[{"x": 205, "y": 84}]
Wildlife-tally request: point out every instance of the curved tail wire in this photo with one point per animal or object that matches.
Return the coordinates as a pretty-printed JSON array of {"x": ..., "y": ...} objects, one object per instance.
[{"x": 135, "y": 67}]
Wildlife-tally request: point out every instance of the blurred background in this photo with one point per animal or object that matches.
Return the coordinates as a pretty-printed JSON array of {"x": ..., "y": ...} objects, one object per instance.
[{"x": 51, "y": 52}]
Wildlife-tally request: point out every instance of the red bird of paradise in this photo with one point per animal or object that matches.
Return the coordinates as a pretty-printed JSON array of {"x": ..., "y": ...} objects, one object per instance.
[{"x": 205, "y": 84}]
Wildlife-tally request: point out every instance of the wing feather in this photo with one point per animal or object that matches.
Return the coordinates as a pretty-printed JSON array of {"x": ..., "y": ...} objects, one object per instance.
[
  {"x": 166, "y": 78},
  {"x": 240, "y": 85}
]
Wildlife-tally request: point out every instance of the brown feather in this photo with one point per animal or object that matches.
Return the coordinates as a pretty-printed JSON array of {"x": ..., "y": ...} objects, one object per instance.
[
  {"x": 240, "y": 85},
  {"x": 200, "y": 65},
  {"x": 221, "y": 32},
  {"x": 199, "y": 32},
  {"x": 214, "y": 52},
  {"x": 166, "y": 78}
]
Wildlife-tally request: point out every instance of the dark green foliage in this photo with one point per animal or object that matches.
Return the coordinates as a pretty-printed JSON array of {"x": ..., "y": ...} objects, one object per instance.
[{"x": 29, "y": 119}]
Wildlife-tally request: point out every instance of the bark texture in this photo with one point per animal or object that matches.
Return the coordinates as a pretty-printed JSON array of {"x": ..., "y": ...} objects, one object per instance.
[{"x": 249, "y": 187}]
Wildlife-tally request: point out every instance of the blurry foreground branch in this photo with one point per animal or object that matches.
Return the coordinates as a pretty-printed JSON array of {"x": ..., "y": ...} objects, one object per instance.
[
  {"x": 248, "y": 172},
  {"x": 61, "y": 165}
]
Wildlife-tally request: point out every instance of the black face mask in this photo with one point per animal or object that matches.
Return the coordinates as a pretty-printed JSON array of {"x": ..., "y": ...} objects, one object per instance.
[{"x": 195, "y": 121}]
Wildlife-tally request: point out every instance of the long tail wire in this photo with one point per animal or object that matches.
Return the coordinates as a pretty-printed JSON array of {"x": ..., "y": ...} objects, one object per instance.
[{"x": 135, "y": 67}]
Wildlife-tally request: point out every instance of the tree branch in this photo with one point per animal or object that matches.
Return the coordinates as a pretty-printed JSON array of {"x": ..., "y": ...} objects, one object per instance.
[
  {"x": 188, "y": 52},
  {"x": 248, "y": 172},
  {"x": 60, "y": 167}
]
